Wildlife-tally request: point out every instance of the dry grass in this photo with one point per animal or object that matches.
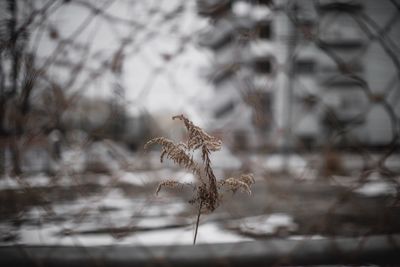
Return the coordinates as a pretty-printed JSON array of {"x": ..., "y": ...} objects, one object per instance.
[{"x": 207, "y": 189}]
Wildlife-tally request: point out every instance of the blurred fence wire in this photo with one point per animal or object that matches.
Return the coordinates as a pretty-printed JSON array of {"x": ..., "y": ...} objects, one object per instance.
[{"x": 304, "y": 94}]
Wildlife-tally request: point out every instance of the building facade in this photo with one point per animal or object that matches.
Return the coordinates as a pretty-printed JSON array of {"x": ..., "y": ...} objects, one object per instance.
[{"x": 301, "y": 74}]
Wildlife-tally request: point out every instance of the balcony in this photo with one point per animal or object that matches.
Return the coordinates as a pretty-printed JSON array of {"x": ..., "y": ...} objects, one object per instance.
[
  {"x": 332, "y": 75},
  {"x": 217, "y": 37},
  {"x": 341, "y": 44},
  {"x": 213, "y": 8},
  {"x": 333, "y": 6}
]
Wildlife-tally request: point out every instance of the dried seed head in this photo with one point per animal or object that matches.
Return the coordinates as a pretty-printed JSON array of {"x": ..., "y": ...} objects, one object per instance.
[
  {"x": 198, "y": 137},
  {"x": 176, "y": 152},
  {"x": 169, "y": 183},
  {"x": 207, "y": 194},
  {"x": 247, "y": 178},
  {"x": 243, "y": 183}
]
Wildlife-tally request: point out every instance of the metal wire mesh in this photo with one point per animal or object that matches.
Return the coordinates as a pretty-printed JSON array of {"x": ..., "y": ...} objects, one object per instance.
[{"x": 303, "y": 94}]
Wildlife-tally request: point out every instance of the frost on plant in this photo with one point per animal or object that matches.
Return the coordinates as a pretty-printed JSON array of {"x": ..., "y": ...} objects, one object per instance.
[{"x": 206, "y": 195}]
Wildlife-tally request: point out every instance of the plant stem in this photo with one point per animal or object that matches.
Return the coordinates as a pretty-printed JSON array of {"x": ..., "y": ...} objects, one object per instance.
[{"x": 197, "y": 223}]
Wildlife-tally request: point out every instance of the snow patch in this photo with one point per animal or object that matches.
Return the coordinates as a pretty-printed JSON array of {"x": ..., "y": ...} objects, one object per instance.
[
  {"x": 376, "y": 188},
  {"x": 209, "y": 233},
  {"x": 143, "y": 178},
  {"x": 39, "y": 180},
  {"x": 268, "y": 224},
  {"x": 295, "y": 164}
]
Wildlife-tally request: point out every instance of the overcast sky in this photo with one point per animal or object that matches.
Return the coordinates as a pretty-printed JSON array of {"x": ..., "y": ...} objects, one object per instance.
[{"x": 162, "y": 64}]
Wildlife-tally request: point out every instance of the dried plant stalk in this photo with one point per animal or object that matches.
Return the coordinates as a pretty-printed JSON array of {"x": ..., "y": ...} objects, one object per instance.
[{"x": 206, "y": 195}]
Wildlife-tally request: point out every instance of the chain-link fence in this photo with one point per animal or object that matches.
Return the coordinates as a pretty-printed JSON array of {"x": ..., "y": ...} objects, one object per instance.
[{"x": 303, "y": 94}]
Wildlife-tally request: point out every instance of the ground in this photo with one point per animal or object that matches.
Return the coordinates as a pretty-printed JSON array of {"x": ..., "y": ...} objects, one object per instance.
[{"x": 120, "y": 207}]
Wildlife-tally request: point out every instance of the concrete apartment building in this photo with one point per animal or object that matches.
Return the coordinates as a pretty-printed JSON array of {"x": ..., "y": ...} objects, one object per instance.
[{"x": 295, "y": 74}]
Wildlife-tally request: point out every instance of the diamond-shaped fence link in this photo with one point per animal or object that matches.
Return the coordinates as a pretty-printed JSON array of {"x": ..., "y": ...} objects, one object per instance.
[{"x": 305, "y": 95}]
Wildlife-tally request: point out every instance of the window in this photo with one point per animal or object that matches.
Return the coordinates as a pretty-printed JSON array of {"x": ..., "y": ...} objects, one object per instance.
[
  {"x": 304, "y": 67},
  {"x": 264, "y": 30},
  {"x": 262, "y": 65},
  {"x": 264, "y": 2}
]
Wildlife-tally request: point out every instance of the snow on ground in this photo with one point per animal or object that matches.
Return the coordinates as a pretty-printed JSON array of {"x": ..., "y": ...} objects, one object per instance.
[
  {"x": 268, "y": 224},
  {"x": 91, "y": 221},
  {"x": 373, "y": 186},
  {"x": 158, "y": 220},
  {"x": 47, "y": 235},
  {"x": 142, "y": 178},
  {"x": 376, "y": 188},
  {"x": 279, "y": 162},
  {"x": 208, "y": 233},
  {"x": 295, "y": 164},
  {"x": 117, "y": 205},
  {"x": 38, "y": 180},
  {"x": 306, "y": 237},
  {"x": 74, "y": 159}
]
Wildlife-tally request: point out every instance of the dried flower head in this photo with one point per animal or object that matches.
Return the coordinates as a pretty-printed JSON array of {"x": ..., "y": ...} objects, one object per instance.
[
  {"x": 198, "y": 137},
  {"x": 243, "y": 183},
  {"x": 207, "y": 196},
  {"x": 176, "y": 152},
  {"x": 168, "y": 183}
]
